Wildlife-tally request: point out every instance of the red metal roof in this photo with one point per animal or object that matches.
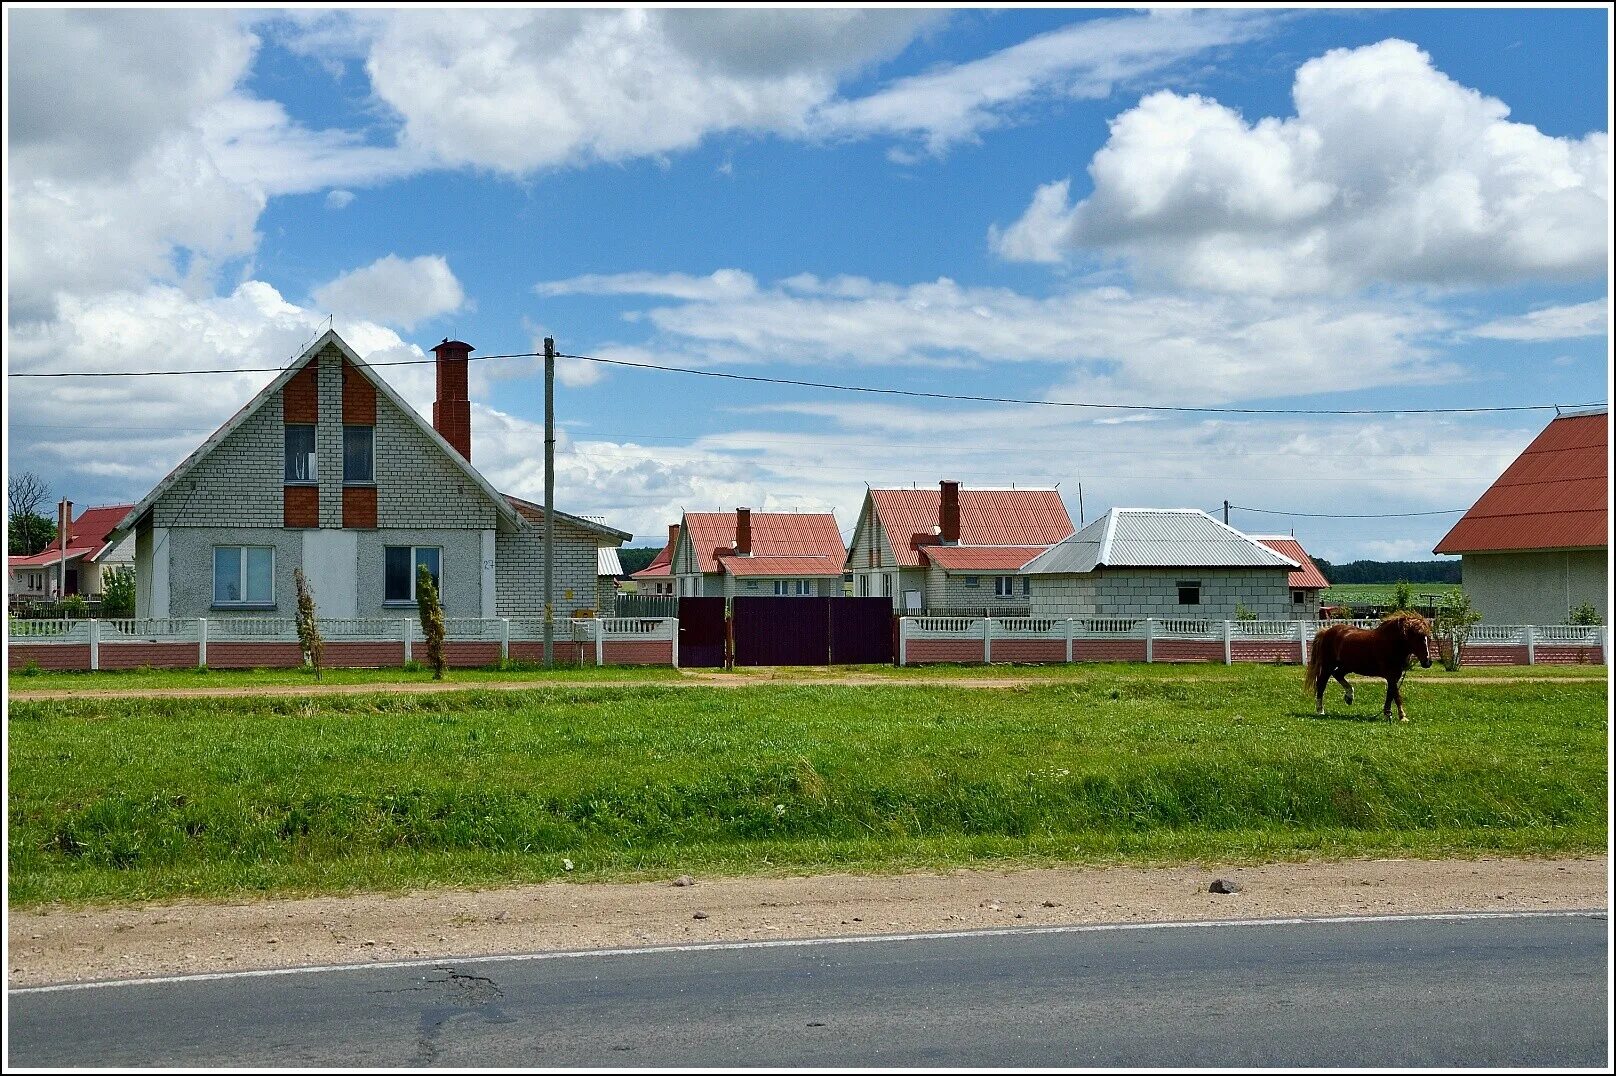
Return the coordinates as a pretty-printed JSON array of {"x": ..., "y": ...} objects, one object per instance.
[
  {"x": 743, "y": 567},
  {"x": 789, "y": 534},
  {"x": 661, "y": 565},
  {"x": 988, "y": 517},
  {"x": 981, "y": 558},
  {"x": 1308, "y": 577},
  {"x": 84, "y": 538},
  {"x": 1554, "y": 496}
]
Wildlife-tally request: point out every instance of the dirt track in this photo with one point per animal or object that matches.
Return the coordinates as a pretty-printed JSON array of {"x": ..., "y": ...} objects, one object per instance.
[{"x": 67, "y": 944}]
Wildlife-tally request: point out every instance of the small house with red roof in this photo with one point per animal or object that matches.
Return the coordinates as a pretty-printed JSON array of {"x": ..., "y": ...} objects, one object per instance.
[
  {"x": 84, "y": 560},
  {"x": 656, "y": 578},
  {"x": 1306, "y": 582},
  {"x": 951, "y": 548},
  {"x": 766, "y": 554},
  {"x": 1535, "y": 546}
]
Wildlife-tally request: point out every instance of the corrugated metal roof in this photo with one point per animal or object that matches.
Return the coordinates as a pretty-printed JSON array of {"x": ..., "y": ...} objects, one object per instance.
[
  {"x": 798, "y": 534},
  {"x": 794, "y": 567},
  {"x": 981, "y": 558},
  {"x": 85, "y": 537},
  {"x": 1156, "y": 538},
  {"x": 988, "y": 517},
  {"x": 606, "y": 562},
  {"x": 1554, "y": 496},
  {"x": 1308, "y": 577}
]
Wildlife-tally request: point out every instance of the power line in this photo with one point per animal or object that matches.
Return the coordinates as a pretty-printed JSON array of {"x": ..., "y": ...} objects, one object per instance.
[
  {"x": 870, "y": 389},
  {"x": 1348, "y": 515}
]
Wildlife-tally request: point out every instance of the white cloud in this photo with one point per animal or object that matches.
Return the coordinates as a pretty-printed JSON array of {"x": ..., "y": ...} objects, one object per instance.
[
  {"x": 722, "y": 284},
  {"x": 1389, "y": 172},
  {"x": 339, "y": 199},
  {"x": 1083, "y": 60},
  {"x": 1550, "y": 323},
  {"x": 394, "y": 291}
]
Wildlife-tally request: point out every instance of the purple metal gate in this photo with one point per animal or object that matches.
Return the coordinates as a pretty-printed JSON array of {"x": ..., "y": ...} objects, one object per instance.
[
  {"x": 782, "y": 631},
  {"x": 861, "y": 631},
  {"x": 701, "y": 633}
]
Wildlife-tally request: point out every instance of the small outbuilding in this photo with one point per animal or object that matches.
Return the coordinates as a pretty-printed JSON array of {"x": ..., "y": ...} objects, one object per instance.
[{"x": 1307, "y": 582}]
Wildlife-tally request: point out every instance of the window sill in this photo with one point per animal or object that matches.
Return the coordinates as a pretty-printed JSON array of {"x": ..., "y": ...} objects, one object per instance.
[
  {"x": 256, "y": 607},
  {"x": 410, "y": 604},
  {"x": 359, "y": 483},
  {"x": 301, "y": 482}
]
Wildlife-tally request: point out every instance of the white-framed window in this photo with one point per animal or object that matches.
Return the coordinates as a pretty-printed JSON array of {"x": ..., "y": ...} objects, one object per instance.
[
  {"x": 400, "y": 567},
  {"x": 782, "y": 587},
  {"x": 300, "y": 457},
  {"x": 863, "y": 586},
  {"x": 359, "y": 454},
  {"x": 806, "y": 588},
  {"x": 1004, "y": 586},
  {"x": 243, "y": 575},
  {"x": 1189, "y": 592}
]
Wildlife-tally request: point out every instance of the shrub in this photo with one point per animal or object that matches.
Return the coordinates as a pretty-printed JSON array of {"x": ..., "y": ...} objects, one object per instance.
[
  {"x": 119, "y": 597},
  {"x": 1586, "y": 615},
  {"x": 1455, "y": 616},
  {"x": 1241, "y": 613},
  {"x": 308, "y": 631},
  {"x": 75, "y": 607},
  {"x": 1402, "y": 598},
  {"x": 426, "y": 599}
]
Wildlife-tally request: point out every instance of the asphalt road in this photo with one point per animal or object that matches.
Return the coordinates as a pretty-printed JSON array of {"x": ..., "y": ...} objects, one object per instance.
[{"x": 1372, "y": 992}]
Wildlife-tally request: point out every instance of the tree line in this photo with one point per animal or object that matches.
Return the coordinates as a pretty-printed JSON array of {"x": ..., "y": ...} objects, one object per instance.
[{"x": 1391, "y": 571}]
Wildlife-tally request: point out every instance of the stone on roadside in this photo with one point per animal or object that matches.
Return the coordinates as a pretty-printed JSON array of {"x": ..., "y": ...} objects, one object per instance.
[
  {"x": 684, "y": 880},
  {"x": 1223, "y": 885}
]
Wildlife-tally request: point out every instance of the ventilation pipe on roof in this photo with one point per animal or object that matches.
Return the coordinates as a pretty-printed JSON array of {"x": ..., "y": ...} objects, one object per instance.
[
  {"x": 451, "y": 411},
  {"x": 948, "y": 516},
  {"x": 743, "y": 532}
]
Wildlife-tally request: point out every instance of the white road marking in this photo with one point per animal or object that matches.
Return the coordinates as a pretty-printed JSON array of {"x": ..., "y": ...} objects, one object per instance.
[{"x": 787, "y": 943}]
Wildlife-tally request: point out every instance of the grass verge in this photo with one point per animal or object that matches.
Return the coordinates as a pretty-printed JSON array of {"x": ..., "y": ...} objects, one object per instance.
[{"x": 160, "y": 798}]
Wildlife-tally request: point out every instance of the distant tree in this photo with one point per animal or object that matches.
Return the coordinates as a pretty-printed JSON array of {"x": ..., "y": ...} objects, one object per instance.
[
  {"x": 1585, "y": 614},
  {"x": 1455, "y": 616},
  {"x": 28, "y": 530},
  {"x": 636, "y": 560},
  {"x": 118, "y": 593},
  {"x": 1402, "y": 598},
  {"x": 432, "y": 626},
  {"x": 308, "y": 629},
  {"x": 1389, "y": 571}
]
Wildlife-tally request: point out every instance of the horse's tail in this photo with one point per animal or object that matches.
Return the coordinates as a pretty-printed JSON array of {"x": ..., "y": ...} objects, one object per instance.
[{"x": 1317, "y": 671}]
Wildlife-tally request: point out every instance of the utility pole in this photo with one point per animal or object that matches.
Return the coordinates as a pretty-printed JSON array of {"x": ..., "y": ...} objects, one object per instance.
[
  {"x": 549, "y": 503},
  {"x": 1080, "y": 504},
  {"x": 1225, "y": 513}
]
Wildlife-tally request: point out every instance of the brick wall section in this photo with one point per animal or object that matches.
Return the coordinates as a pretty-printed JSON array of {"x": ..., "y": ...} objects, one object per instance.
[
  {"x": 418, "y": 485},
  {"x": 155, "y": 655},
  {"x": 359, "y": 506},
  {"x": 48, "y": 656},
  {"x": 369, "y": 655},
  {"x": 358, "y": 397},
  {"x": 949, "y": 590},
  {"x": 301, "y": 396},
  {"x": 302, "y": 506},
  {"x": 238, "y": 484},
  {"x": 328, "y": 436},
  {"x": 254, "y": 655},
  {"x": 519, "y": 586},
  {"x": 1153, "y": 592}
]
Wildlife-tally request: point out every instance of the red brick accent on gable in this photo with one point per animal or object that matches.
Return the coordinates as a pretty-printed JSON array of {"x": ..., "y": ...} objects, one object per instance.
[
  {"x": 302, "y": 506},
  {"x": 358, "y": 397},
  {"x": 359, "y": 506},
  {"x": 300, "y": 399}
]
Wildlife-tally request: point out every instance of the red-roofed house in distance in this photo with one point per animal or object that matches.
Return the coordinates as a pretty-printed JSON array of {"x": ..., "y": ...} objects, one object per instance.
[
  {"x": 952, "y": 549},
  {"x": 87, "y": 558},
  {"x": 766, "y": 554},
  {"x": 1535, "y": 546},
  {"x": 656, "y": 578},
  {"x": 1307, "y": 582}
]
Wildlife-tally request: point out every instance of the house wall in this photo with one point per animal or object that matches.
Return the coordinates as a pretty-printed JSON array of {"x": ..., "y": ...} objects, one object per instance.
[
  {"x": 519, "y": 587},
  {"x": 949, "y": 590},
  {"x": 1153, "y": 592},
  {"x": 763, "y": 587},
  {"x": 1536, "y": 588},
  {"x": 238, "y": 484},
  {"x": 188, "y": 553}
]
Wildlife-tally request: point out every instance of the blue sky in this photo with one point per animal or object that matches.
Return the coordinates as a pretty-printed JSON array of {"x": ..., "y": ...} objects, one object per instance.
[{"x": 1248, "y": 208}]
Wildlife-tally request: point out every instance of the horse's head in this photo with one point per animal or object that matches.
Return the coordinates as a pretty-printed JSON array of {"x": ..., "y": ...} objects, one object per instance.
[{"x": 1416, "y": 634}]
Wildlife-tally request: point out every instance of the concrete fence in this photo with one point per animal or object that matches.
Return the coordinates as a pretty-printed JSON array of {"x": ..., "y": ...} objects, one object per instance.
[
  {"x": 926, "y": 640},
  {"x": 375, "y": 642}
]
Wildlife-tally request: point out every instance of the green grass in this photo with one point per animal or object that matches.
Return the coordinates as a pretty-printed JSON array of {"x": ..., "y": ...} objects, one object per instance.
[
  {"x": 162, "y": 798},
  {"x": 1381, "y": 593},
  {"x": 225, "y": 678}
]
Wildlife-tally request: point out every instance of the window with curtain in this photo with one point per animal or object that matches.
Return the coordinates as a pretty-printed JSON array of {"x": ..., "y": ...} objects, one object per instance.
[
  {"x": 358, "y": 454},
  {"x": 243, "y": 575},
  {"x": 399, "y": 570},
  {"x": 300, "y": 454}
]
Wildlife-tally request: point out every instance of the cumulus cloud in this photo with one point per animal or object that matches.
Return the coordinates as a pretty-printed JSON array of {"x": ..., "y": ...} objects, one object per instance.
[
  {"x": 1550, "y": 323},
  {"x": 722, "y": 284},
  {"x": 339, "y": 199},
  {"x": 394, "y": 291},
  {"x": 1390, "y": 171}
]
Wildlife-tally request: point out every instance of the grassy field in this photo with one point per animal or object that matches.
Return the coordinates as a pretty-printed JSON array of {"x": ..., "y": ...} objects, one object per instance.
[
  {"x": 161, "y": 798},
  {"x": 45, "y": 680},
  {"x": 1381, "y": 593}
]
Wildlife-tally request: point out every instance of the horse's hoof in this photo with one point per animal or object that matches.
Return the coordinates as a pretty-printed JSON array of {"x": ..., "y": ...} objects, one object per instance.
[{"x": 1403, "y": 720}]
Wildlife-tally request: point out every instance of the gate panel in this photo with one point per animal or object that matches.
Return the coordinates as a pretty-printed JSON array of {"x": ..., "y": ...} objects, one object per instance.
[
  {"x": 861, "y": 631},
  {"x": 782, "y": 631},
  {"x": 701, "y": 633}
]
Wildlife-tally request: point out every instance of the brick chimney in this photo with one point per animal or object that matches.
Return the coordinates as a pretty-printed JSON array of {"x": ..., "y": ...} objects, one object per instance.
[
  {"x": 451, "y": 411},
  {"x": 673, "y": 535},
  {"x": 743, "y": 532},
  {"x": 948, "y": 515}
]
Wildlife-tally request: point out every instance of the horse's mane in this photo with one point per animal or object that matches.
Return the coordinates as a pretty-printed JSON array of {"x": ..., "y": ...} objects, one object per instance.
[{"x": 1406, "y": 614}]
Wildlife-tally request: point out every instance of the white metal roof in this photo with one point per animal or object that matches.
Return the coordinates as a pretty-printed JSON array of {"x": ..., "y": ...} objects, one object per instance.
[
  {"x": 1155, "y": 538},
  {"x": 606, "y": 561}
]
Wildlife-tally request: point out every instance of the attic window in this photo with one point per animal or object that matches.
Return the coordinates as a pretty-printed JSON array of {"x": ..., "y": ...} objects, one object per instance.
[
  {"x": 300, "y": 460},
  {"x": 1189, "y": 592}
]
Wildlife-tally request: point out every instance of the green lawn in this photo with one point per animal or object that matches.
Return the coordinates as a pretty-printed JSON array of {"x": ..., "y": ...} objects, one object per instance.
[
  {"x": 161, "y": 798},
  {"x": 1381, "y": 593},
  {"x": 225, "y": 678}
]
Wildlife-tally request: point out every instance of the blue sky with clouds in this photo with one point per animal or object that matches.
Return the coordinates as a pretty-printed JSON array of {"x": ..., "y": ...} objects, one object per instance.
[{"x": 1253, "y": 208}]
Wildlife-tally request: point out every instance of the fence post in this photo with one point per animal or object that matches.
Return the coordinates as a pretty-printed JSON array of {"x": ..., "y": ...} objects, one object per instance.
[
  {"x": 1150, "y": 639},
  {"x": 504, "y": 638},
  {"x": 201, "y": 641},
  {"x": 1228, "y": 646},
  {"x": 1531, "y": 644},
  {"x": 674, "y": 621},
  {"x": 406, "y": 624},
  {"x": 600, "y": 642},
  {"x": 903, "y": 640},
  {"x": 95, "y": 645},
  {"x": 1301, "y": 637},
  {"x": 1069, "y": 627},
  {"x": 987, "y": 640}
]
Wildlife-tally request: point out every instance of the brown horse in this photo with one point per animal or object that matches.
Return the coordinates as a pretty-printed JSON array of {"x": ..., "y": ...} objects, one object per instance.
[{"x": 1382, "y": 651}]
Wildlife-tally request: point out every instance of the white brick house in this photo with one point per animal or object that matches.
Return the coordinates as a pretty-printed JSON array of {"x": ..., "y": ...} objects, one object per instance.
[
  {"x": 328, "y": 469},
  {"x": 1160, "y": 562}
]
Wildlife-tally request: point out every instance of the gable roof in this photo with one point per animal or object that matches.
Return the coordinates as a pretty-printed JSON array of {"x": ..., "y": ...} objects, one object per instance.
[
  {"x": 86, "y": 536},
  {"x": 1554, "y": 496},
  {"x": 661, "y": 565},
  {"x": 774, "y": 534},
  {"x": 980, "y": 558},
  {"x": 1155, "y": 538},
  {"x": 988, "y": 517},
  {"x": 250, "y": 408},
  {"x": 1308, "y": 576},
  {"x": 534, "y": 512}
]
